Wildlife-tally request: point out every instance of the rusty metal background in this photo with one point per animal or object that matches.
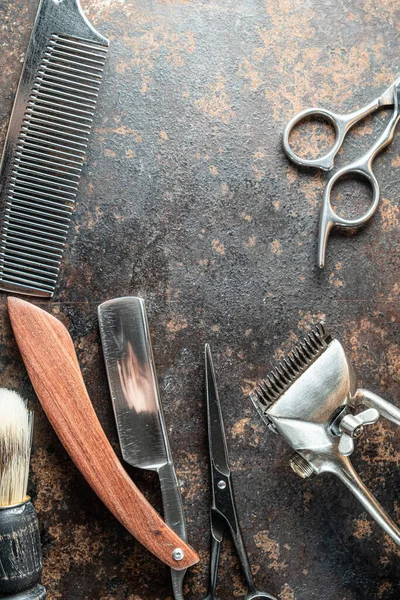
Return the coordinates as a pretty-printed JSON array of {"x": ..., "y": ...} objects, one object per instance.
[{"x": 187, "y": 199}]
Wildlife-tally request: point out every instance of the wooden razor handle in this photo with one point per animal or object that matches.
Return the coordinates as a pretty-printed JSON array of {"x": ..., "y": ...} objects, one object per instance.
[{"x": 50, "y": 359}]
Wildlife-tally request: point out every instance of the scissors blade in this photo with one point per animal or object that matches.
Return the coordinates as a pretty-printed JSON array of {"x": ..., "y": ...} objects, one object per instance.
[
  {"x": 217, "y": 525},
  {"x": 216, "y": 433}
]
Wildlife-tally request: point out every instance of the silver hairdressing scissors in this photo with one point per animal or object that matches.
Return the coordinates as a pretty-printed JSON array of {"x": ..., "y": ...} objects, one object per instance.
[
  {"x": 223, "y": 508},
  {"x": 362, "y": 166}
]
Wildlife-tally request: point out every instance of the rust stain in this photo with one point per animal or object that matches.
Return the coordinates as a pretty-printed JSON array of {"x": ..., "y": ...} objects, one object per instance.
[
  {"x": 395, "y": 161},
  {"x": 239, "y": 427},
  {"x": 192, "y": 475},
  {"x": 292, "y": 174},
  {"x": 218, "y": 247},
  {"x": 308, "y": 320},
  {"x": 321, "y": 77},
  {"x": 390, "y": 214},
  {"x": 216, "y": 103},
  {"x": 258, "y": 173},
  {"x": 388, "y": 370},
  {"x": 156, "y": 42},
  {"x": 122, "y": 130},
  {"x": 286, "y": 347},
  {"x": 276, "y": 247},
  {"x": 251, "y": 242},
  {"x": 73, "y": 547},
  {"x": 333, "y": 280},
  {"x": 51, "y": 481},
  {"x": 380, "y": 447},
  {"x": 384, "y": 587},
  {"x": 248, "y": 71},
  {"x": 287, "y": 593},
  {"x": 163, "y": 137},
  {"x": 362, "y": 528},
  {"x": 312, "y": 189},
  {"x": 238, "y": 586},
  {"x": 272, "y": 548},
  {"x": 175, "y": 325}
]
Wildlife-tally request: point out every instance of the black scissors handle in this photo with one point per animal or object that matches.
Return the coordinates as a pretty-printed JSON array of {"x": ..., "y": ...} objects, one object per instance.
[
  {"x": 219, "y": 524},
  {"x": 224, "y": 517}
]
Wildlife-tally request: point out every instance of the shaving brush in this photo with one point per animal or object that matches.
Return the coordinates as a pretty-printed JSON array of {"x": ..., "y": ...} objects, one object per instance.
[{"x": 20, "y": 552}]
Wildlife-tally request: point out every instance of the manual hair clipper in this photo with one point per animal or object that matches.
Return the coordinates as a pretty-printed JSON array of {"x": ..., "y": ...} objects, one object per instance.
[{"x": 312, "y": 400}]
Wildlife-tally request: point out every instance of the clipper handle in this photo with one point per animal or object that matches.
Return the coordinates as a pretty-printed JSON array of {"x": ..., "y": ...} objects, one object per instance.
[
  {"x": 349, "y": 476},
  {"x": 346, "y": 472},
  {"x": 385, "y": 408}
]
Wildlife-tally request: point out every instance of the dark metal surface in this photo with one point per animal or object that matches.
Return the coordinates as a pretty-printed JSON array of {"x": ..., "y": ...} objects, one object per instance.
[{"x": 188, "y": 199}]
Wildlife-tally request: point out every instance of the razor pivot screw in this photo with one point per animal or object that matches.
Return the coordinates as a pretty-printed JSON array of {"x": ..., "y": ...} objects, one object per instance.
[{"x": 178, "y": 554}]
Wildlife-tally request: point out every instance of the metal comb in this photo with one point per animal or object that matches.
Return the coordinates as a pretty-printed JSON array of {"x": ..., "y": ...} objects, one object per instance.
[
  {"x": 45, "y": 145},
  {"x": 312, "y": 400}
]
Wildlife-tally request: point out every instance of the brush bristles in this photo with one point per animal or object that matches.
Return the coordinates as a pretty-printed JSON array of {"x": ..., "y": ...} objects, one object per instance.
[
  {"x": 16, "y": 424},
  {"x": 289, "y": 369}
]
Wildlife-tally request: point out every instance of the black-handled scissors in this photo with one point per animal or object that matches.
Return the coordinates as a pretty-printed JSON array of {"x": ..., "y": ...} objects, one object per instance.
[
  {"x": 362, "y": 166},
  {"x": 223, "y": 509}
]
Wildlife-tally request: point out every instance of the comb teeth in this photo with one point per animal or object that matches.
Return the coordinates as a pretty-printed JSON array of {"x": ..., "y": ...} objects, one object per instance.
[
  {"x": 47, "y": 163},
  {"x": 287, "y": 371}
]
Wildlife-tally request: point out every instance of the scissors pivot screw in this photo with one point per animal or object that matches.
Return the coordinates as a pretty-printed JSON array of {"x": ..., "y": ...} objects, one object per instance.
[
  {"x": 178, "y": 554},
  {"x": 221, "y": 484}
]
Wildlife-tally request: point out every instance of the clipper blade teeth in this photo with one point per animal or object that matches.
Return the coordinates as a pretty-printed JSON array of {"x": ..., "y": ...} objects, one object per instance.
[{"x": 290, "y": 368}]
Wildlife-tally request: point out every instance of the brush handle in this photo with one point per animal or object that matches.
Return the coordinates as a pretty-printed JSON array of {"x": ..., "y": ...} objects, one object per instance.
[
  {"x": 50, "y": 359},
  {"x": 20, "y": 553}
]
